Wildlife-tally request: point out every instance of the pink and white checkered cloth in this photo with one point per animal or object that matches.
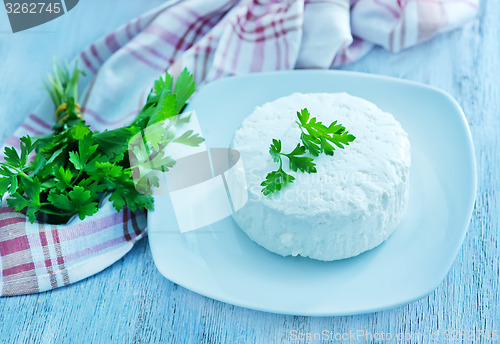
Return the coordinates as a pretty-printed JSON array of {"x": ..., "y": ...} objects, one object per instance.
[{"x": 213, "y": 39}]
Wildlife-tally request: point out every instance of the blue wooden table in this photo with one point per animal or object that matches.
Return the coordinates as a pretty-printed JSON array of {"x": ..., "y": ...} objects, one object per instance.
[{"x": 131, "y": 302}]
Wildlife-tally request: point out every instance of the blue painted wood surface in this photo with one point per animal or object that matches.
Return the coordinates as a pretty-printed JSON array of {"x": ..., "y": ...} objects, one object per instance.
[{"x": 131, "y": 302}]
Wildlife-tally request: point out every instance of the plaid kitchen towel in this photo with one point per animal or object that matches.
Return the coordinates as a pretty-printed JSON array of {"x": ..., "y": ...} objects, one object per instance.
[{"x": 212, "y": 39}]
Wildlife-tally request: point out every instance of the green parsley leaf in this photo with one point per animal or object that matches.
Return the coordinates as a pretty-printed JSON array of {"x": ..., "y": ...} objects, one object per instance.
[
  {"x": 32, "y": 189},
  {"x": 4, "y": 187},
  {"x": 13, "y": 184},
  {"x": 166, "y": 108},
  {"x": 86, "y": 148},
  {"x": 182, "y": 119},
  {"x": 5, "y": 171},
  {"x": 316, "y": 137},
  {"x": 88, "y": 209},
  {"x": 113, "y": 142},
  {"x": 74, "y": 157},
  {"x": 184, "y": 88},
  {"x": 117, "y": 199},
  {"x": 63, "y": 177},
  {"x": 275, "y": 181},
  {"x": 26, "y": 148},
  {"x": 161, "y": 162},
  {"x": 275, "y": 150},
  {"x": 11, "y": 157},
  {"x": 301, "y": 163},
  {"x": 109, "y": 170},
  {"x": 303, "y": 116},
  {"x": 164, "y": 84},
  {"x": 189, "y": 139},
  {"x": 311, "y": 144},
  {"x": 80, "y": 130},
  {"x": 78, "y": 200},
  {"x": 17, "y": 201}
]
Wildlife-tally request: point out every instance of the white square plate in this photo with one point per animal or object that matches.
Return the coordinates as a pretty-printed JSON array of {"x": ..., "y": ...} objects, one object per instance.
[{"x": 221, "y": 262}]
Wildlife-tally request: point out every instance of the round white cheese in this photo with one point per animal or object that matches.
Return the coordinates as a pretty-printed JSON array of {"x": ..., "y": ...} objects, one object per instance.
[{"x": 353, "y": 203}]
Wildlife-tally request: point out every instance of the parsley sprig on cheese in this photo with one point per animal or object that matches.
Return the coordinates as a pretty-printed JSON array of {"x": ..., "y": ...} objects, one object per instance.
[{"x": 316, "y": 138}]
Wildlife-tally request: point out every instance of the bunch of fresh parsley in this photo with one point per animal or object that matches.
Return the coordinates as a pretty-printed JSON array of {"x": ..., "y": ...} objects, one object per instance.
[
  {"x": 316, "y": 138},
  {"x": 75, "y": 168}
]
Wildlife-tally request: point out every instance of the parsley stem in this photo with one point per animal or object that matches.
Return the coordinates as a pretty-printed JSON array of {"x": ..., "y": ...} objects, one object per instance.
[
  {"x": 21, "y": 173},
  {"x": 55, "y": 212},
  {"x": 77, "y": 177}
]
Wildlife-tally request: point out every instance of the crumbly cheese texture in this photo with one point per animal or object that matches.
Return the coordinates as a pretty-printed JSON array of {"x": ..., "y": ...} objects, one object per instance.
[{"x": 353, "y": 203}]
